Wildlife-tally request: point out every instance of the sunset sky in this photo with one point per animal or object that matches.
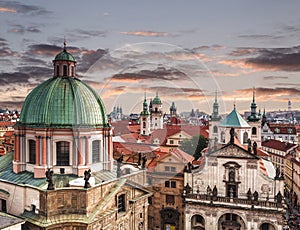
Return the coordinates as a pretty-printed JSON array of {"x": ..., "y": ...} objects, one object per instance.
[{"x": 183, "y": 50}]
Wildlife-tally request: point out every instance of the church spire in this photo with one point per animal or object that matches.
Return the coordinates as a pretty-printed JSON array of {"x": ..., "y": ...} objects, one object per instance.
[
  {"x": 215, "y": 115},
  {"x": 253, "y": 116}
]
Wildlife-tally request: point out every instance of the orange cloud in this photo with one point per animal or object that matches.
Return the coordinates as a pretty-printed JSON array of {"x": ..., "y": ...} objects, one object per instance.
[
  {"x": 146, "y": 33},
  {"x": 4, "y": 9}
]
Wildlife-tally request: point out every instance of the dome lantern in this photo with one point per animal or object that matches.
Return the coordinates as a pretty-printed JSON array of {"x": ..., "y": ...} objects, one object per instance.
[{"x": 64, "y": 64}]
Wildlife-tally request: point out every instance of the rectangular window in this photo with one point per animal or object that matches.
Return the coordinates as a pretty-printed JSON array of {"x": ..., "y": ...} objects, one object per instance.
[
  {"x": 32, "y": 152},
  {"x": 3, "y": 205},
  {"x": 171, "y": 142},
  {"x": 72, "y": 71},
  {"x": 173, "y": 169},
  {"x": 167, "y": 184},
  {"x": 173, "y": 184},
  {"x": 96, "y": 151},
  {"x": 62, "y": 153},
  {"x": 121, "y": 203},
  {"x": 170, "y": 199},
  {"x": 167, "y": 168}
]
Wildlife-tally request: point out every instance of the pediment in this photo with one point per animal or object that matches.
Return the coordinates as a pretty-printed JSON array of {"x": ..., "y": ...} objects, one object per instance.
[{"x": 232, "y": 150}]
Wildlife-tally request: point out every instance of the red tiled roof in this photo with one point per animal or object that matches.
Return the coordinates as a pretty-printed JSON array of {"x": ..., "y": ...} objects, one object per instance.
[
  {"x": 278, "y": 145},
  {"x": 7, "y": 124},
  {"x": 283, "y": 128}
]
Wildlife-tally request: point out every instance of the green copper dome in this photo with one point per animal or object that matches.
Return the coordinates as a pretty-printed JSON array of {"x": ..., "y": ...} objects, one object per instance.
[
  {"x": 63, "y": 102},
  {"x": 64, "y": 56},
  {"x": 156, "y": 100}
]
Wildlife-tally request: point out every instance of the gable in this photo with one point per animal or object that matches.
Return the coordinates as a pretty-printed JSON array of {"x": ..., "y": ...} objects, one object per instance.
[
  {"x": 232, "y": 150},
  {"x": 179, "y": 135}
]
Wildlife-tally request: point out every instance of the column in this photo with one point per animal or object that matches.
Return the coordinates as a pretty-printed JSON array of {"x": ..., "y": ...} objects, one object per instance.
[
  {"x": 44, "y": 150},
  {"x": 37, "y": 150},
  {"x": 17, "y": 148},
  {"x": 87, "y": 150},
  {"x": 79, "y": 152}
]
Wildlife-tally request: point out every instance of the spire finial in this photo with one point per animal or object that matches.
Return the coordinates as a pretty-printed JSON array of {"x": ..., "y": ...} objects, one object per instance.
[
  {"x": 156, "y": 93},
  {"x": 65, "y": 44},
  {"x": 216, "y": 95},
  {"x": 234, "y": 103},
  {"x": 253, "y": 93}
]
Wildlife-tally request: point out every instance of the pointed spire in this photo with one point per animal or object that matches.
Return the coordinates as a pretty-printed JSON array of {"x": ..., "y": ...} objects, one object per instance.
[
  {"x": 216, "y": 96},
  {"x": 215, "y": 115},
  {"x": 253, "y": 116}
]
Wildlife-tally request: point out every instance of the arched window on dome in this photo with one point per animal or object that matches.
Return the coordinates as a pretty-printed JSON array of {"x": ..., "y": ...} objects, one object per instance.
[
  {"x": 254, "y": 131},
  {"x": 72, "y": 71},
  {"x": 32, "y": 152},
  {"x": 57, "y": 70},
  {"x": 215, "y": 129},
  {"x": 245, "y": 138},
  {"x": 62, "y": 153},
  {"x": 65, "y": 70},
  {"x": 96, "y": 151}
]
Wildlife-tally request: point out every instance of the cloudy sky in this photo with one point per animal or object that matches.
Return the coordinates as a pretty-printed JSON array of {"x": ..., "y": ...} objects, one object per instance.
[{"x": 183, "y": 50}]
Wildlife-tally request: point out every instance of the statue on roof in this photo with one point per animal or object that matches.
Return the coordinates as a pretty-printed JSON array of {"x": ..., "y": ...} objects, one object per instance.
[
  {"x": 231, "y": 136},
  {"x": 49, "y": 174},
  {"x": 249, "y": 145},
  {"x": 87, "y": 175},
  {"x": 144, "y": 160},
  {"x": 255, "y": 148},
  {"x": 119, "y": 162}
]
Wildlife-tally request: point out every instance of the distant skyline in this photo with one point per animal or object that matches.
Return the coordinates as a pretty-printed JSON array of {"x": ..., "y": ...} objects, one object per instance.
[{"x": 184, "y": 51}]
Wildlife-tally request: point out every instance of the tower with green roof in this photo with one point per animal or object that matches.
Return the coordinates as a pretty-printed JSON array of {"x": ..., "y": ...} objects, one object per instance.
[
  {"x": 241, "y": 127},
  {"x": 156, "y": 115},
  {"x": 145, "y": 119},
  {"x": 63, "y": 125},
  {"x": 254, "y": 122}
]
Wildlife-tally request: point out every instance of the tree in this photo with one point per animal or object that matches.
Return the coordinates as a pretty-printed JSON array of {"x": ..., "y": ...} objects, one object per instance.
[{"x": 194, "y": 146}]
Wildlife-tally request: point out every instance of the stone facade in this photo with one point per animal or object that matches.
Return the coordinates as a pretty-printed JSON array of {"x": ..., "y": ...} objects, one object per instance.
[
  {"x": 166, "y": 181},
  {"x": 234, "y": 190}
]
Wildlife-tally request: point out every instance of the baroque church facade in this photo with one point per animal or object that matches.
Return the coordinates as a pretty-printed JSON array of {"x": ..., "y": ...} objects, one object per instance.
[
  {"x": 235, "y": 187},
  {"x": 61, "y": 174}
]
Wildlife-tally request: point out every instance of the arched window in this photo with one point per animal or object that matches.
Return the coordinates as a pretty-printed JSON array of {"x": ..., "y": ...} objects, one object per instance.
[
  {"x": 62, "y": 153},
  {"x": 57, "y": 70},
  {"x": 96, "y": 151},
  {"x": 32, "y": 153},
  {"x": 65, "y": 70},
  {"x": 144, "y": 125},
  {"x": 215, "y": 129},
  {"x": 254, "y": 131},
  {"x": 72, "y": 71},
  {"x": 245, "y": 137}
]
